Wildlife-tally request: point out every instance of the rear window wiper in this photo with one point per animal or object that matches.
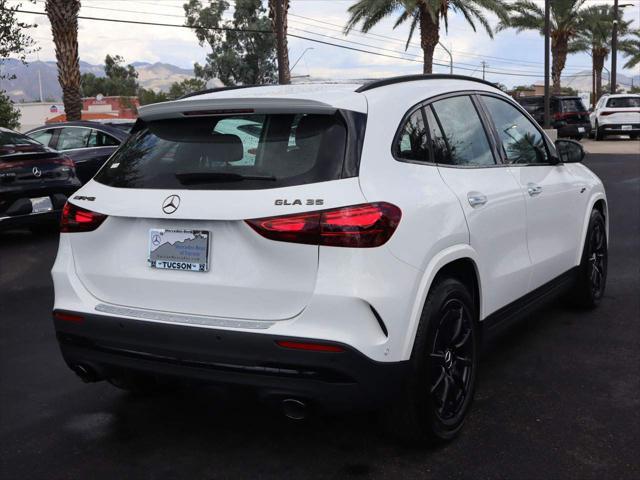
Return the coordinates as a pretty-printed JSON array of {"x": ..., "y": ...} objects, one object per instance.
[{"x": 194, "y": 178}]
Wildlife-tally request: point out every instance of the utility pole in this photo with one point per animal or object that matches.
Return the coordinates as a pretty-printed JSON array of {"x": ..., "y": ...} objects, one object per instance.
[
  {"x": 614, "y": 49},
  {"x": 484, "y": 66},
  {"x": 547, "y": 100},
  {"x": 280, "y": 27}
]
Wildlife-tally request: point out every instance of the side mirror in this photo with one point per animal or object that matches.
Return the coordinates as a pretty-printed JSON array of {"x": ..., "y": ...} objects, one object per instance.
[{"x": 569, "y": 151}]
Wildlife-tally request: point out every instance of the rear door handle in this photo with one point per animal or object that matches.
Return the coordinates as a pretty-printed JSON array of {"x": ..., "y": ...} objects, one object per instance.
[
  {"x": 476, "y": 199},
  {"x": 534, "y": 189}
]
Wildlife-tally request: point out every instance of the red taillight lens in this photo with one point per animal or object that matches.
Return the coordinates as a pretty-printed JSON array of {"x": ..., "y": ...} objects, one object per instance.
[
  {"x": 68, "y": 317},
  {"x": 311, "y": 347},
  {"x": 68, "y": 161},
  {"x": 357, "y": 226},
  {"x": 76, "y": 219}
]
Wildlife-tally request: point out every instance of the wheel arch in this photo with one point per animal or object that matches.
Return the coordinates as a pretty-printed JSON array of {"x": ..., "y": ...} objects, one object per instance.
[
  {"x": 459, "y": 261},
  {"x": 597, "y": 202}
]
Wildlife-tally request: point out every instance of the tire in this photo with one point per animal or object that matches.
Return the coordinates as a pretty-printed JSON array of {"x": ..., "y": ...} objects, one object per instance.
[
  {"x": 599, "y": 135},
  {"x": 443, "y": 365},
  {"x": 592, "y": 272},
  {"x": 635, "y": 136},
  {"x": 577, "y": 138}
]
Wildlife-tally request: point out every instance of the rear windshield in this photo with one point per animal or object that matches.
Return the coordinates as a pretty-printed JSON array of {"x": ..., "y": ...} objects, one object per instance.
[
  {"x": 572, "y": 105},
  {"x": 7, "y": 137},
  {"x": 531, "y": 105},
  {"x": 231, "y": 152},
  {"x": 623, "y": 102}
]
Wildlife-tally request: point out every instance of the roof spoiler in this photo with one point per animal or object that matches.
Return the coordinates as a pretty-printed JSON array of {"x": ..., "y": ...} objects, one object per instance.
[{"x": 207, "y": 107}]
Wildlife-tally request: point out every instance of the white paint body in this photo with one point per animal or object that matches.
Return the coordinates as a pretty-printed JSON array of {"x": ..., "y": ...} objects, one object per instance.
[
  {"x": 603, "y": 115},
  {"x": 515, "y": 241}
]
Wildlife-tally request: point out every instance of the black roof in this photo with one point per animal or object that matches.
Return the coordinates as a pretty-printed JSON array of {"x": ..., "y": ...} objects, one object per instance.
[
  {"x": 111, "y": 130},
  {"x": 412, "y": 78}
]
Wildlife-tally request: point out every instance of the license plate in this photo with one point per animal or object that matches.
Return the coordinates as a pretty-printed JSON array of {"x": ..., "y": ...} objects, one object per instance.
[
  {"x": 626, "y": 127},
  {"x": 580, "y": 129},
  {"x": 179, "y": 250},
  {"x": 41, "y": 204}
]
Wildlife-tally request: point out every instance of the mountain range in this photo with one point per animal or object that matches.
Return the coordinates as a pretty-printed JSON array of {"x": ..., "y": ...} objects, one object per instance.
[{"x": 26, "y": 87}]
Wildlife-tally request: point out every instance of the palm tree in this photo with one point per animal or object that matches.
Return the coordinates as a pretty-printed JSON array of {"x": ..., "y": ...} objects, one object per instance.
[
  {"x": 425, "y": 14},
  {"x": 526, "y": 15},
  {"x": 595, "y": 29},
  {"x": 278, "y": 10},
  {"x": 631, "y": 48},
  {"x": 63, "y": 15}
]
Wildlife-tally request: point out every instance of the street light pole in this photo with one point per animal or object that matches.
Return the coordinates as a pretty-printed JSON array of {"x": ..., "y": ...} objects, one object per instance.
[
  {"x": 547, "y": 100},
  {"x": 614, "y": 49},
  {"x": 450, "y": 57}
]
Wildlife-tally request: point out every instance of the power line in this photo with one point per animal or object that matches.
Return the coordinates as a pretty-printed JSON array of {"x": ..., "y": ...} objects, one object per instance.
[{"x": 270, "y": 32}]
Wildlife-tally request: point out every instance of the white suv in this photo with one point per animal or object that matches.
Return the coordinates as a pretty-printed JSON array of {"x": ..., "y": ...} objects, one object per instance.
[
  {"x": 345, "y": 244},
  {"x": 616, "y": 114}
]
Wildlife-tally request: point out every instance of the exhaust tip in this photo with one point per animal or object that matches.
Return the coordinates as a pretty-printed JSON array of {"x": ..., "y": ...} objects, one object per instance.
[
  {"x": 294, "y": 409},
  {"x": 86, "y": 374}
]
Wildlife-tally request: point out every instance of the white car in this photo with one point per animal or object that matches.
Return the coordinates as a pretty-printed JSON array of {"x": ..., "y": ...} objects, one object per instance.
[
  {"x": 617, "y": 114},
  {"x": 379, "y": 233}
]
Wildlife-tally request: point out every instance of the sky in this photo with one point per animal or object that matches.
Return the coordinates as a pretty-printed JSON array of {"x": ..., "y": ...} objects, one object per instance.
[{"x": 512, "y": 58}]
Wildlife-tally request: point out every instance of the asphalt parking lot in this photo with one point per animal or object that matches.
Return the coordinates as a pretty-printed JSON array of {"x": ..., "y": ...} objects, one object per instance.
[{"x": 558, "y": 396}]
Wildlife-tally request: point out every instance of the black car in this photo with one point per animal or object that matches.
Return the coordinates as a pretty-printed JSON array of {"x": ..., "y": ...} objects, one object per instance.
[
  {"x": 35, "y": 181},
  {"x": 568, "y": 114},
  {"x": 89, "y": 144}
]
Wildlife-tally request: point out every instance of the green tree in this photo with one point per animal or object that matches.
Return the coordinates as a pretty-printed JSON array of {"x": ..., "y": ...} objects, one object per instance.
[
  {"x": 630, "y": 47},
  {"x": 186, "y": 86},
  {"x": 594, "y": 34},
  {"x": 9, "y": 115},
  {"x": 147, "y": 96},
  {"x": 242, "y": 49},
  {"x": 425, "y": 15},
  {"x": 119, "y": 80},
  {"x": 526, "y": 15},
  {"x": 63, "y": 15}
]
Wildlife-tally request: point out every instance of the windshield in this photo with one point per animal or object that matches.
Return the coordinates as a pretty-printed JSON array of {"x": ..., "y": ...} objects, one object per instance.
[
  {"x": 232, "y": 152},
  {"x": 572, "y": 105},
  {"x": 623, "y": 102}
]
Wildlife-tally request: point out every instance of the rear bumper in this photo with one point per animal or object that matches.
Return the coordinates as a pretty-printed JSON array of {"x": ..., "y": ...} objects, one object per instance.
[
  {"x": 573, "y": 129},
  {"x": 618, "y": 128},
  {"x": 331, "y": 380}
]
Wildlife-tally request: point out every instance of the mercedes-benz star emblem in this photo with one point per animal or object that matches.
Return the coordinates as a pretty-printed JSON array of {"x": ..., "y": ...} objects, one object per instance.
[
  {"x": 155, "y": 239},
  {"x": 36, "y": 172},
  {"x": 170, "y": 204}
]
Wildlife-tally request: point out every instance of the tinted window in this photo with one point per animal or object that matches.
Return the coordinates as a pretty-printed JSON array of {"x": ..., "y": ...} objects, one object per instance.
[
  {"x": 7, "y": 137},
  {"x": 71, "y": 138},
  {"x": 43, "y": 136},
  {"x": 234, "y": 152},
  {"x": 624, "y": 102},
  {"x": 438, "y": 145},
  {"x": 101, "y": 139},
  {"x": 466, "y": 139},
  {"x": 572, "y": 105},
  {"x": 412, "y": 142},
  {"x": 521, "y": 141}
]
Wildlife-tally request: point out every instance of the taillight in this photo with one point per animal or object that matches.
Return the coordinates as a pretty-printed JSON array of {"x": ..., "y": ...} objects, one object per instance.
[
  {"x": 76, "y": 219},
  {"x": 68, "y": 317},
  {"x": 358, "y": 226},
  {"x": 310, "y": 347},
  {"x": 68, "y": 161}
]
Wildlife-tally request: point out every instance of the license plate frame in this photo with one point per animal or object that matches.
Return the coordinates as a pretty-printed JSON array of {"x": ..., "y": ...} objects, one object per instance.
[
  {"x": 184, "y": 250},
  {"x": 581, "y": 129},
  {"x": 41, "y": 205}
]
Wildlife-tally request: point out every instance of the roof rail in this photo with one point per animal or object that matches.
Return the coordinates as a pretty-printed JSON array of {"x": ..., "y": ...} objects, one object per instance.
[
  {"x": 217, "y": 89},
  {"x": 411, "y": 78}
]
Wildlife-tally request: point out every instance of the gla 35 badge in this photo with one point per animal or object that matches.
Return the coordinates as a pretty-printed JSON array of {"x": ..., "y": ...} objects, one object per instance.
[{"x": 297, "y": 201}]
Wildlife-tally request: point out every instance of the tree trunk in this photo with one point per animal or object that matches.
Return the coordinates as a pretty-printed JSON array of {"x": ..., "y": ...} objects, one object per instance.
[
  {"x": 63, "y": 15},
  {"x": 429, "y": 37},
  {"x": 278, "y": 13},
  {"x": 598, "y": 65},
  {"x": 559, "y": 49}
]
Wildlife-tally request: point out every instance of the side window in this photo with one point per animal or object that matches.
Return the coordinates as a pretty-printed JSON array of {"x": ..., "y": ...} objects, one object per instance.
[
  {"x": 43, "y": 136},
  {"x": 464, "y": 133},
  {"x": 101, "y": 139},
  {"x": 412, "y": 142},
  {"x": 71, "y": 138},
  {"x": 521, "y": 141},
  {"x": 439, "y": 145}
]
